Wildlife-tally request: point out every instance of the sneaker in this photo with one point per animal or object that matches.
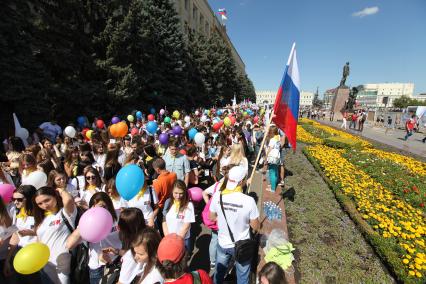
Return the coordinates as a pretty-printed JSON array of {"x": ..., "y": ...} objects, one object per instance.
[
  {"x": 212, "y": 266},
  {"x": 281, "y": 182}
]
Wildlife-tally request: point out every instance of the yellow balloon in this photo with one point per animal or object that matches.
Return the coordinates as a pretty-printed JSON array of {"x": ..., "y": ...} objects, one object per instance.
[
  {"x": 227, "y": 121},
  {"x": 31, "y": 258},
  {"x": 176, "y": 114},
  {"x": 130, "y": 118},
  {"x": 262, "y": 111},
  {"x": 89, "y": 134}
]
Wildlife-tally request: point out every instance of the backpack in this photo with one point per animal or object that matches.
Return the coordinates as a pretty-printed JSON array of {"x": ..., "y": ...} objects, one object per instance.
[
  {"x": 206, "y": 212},
  {"x": 196, "y": 279}
]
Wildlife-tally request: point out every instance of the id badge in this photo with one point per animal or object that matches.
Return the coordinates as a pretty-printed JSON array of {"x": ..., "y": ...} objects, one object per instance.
[{"x": 206, "y": 173}]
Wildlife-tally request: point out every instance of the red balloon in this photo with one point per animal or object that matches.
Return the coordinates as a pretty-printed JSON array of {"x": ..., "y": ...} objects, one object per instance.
[
  {"x": 256, "y": 119},
  {"x": 100, "y": 124},
  {"x": 183, "y": 152},
  {"x": 233, "y": 120},
  {"x": 216, "y": 127},
  {"x": 151, "y": 117},
  {"x": 84, "y": 134},
  {"x": 134, "y": 131}
]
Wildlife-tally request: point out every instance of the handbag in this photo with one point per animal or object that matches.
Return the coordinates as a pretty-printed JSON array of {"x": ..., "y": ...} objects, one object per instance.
[
  {"x": 79, "y": 260},
  {"x": 206, "y": 213},
  {"x": 111, "y": 272},
  {"x": 244, "y": 249}
]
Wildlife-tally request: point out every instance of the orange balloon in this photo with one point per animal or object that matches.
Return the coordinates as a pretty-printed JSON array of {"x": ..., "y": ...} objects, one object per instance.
[
  {"x": 113, "y": 129},
  {"x": 122, "y": 129}
]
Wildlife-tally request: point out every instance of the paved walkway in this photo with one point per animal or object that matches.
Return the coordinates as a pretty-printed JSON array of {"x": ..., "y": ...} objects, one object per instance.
[{"x": 394, "y": 137}]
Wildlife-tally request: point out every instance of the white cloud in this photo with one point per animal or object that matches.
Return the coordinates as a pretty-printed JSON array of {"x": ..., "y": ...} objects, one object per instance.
[{"x": 366, "y": 12}]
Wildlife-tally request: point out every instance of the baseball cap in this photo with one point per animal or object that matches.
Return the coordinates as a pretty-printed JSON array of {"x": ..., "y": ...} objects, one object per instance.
[
  {"x": 235, "y": 176},
  {"x": 171, "y": 248}
]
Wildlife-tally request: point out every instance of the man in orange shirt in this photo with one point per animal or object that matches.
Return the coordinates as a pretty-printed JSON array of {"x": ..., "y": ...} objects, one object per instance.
[{"x": 163, "y": 186}]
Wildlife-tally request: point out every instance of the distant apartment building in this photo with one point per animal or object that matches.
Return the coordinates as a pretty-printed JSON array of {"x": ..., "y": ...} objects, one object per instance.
[
  {"x": 197, "y": 15},
  {"x": 383, "y": 94},
  {"x": 268, "y": 97},
  {"x": 328, "y": 98}
]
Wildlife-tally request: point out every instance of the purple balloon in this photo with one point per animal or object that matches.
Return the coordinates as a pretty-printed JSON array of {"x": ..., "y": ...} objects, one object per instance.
[
  {"x": 115, "y": 120},
  {"x": 163, "y": 138},
  {"x": 95, "y": 224},
  {"x": 177, "y": 130}
]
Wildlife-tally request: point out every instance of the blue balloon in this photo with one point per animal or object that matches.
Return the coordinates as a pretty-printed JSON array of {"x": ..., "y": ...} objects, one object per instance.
[
  {"x": 192, "y": 132},
  {"x": 129, "y": 181},
  {"x": 219, "y": 112},
  {"x": 152, "y": 110},
  {"x": 81, "y": 120},
  {"x": 139, "y": 114},
  {"x": 151, "y": 127}
]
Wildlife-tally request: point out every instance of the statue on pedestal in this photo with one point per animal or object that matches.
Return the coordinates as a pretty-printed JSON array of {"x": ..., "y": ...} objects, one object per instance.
[
  {"x": 345, "y": 75},
  {"x": 352, "y": 99}
]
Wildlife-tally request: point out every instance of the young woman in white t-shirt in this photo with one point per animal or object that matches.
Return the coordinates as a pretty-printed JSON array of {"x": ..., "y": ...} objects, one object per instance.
[
  {"x": 179, "y": 214},
  {"x": 51, "y": 208},
  {"x": 5, "y": 234},
  {"x": 57, "y": 179},
  {"x": 147, "y": 201},
  {"x": 96, "y": 267},
  {"x": 93, "y": 184},
  {"x": 144, "y": 251},
  {"x": 23, "y": 219}
]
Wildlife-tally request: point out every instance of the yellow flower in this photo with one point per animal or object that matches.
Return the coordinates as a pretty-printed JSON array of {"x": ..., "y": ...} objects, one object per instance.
[{"x": 405, "y": 261}]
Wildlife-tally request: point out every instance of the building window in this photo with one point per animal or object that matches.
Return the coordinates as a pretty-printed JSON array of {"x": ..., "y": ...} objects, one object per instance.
[
  {"x": 194, "y": 14},
  {"x": 187, "y": 5},
  {"x": 201, "y": 22}
]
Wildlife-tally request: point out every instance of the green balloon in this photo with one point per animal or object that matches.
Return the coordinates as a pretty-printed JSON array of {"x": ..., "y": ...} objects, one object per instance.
[{"x": 167, "y": 119}]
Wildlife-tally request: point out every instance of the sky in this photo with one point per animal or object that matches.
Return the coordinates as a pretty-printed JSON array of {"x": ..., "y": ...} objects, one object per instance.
[{"x": 384, "y": 40}]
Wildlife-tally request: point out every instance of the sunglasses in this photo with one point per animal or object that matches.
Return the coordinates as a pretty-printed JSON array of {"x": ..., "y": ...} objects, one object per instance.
[
  {"x": 90, "y": 177},
  {"x": 17, "y": 199}
]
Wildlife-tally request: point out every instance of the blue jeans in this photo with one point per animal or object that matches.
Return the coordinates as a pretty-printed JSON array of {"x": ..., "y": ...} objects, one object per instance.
[
  {"x": 223, "y": 256},
  {"x": 273, "y": 176},
  {"x": 213, "y": 247},
  {"x": 96, "y": 275},
  {"x": 188, "y": 245}
]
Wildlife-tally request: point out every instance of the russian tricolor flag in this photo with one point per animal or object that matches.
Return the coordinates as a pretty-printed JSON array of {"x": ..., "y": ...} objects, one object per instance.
[{"x": 286, "y": 107}]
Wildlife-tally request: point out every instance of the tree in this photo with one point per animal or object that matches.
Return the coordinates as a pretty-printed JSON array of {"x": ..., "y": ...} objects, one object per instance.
[{"x": 406, "y": 101}]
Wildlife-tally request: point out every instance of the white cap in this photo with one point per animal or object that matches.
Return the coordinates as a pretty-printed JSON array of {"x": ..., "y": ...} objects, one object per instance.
[{"x": 235, "y": 176}]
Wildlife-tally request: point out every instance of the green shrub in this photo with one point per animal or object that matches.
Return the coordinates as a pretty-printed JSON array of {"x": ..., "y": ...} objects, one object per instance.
[{"x": 341, "y": 143}]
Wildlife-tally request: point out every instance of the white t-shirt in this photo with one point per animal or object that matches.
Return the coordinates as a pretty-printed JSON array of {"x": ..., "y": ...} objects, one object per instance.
[
  {"x": 72, "y": 190},
  {"x": 118, "y": 204},
  {"x": 175, "y": 221},
  {"x": 144, "y": 203},
  {"x": 239, "y": 209},
  {"x": 54, "y": 233},
  {"x": 25, "y": 224},
  {"x": 86, "y": 195},
  {"x": 112, "y": 240}
]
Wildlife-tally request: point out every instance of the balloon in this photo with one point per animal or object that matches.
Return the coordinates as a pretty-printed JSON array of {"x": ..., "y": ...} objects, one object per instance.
[
  {"x": 22, "y": 133},
  {"x": 262, "y": 111},
  {"x": 216, "y": 127},
  {"x": 216, "y": 120},
  {"x": 256, "y": 119},
  {"x": 167, "y": 119},
  {"x": 6, "y": 192},
  {"x": 197, "y": 112},
  {"x": 245, "y": 113},
  {"x": 89, "y": 134},
  {"x": 37, "y": 179},
  {"x": 113, "y": 129},
  {"x": 199, "y": 139},
  {"x": 182, "y": 151},
  {"x": 177, "y": 130},
  {"x": 233, "y": 120},
  {"x": 152, "y": 127},
  {"x": 187, "y": 118},
  {"x": 152, "y": 110},
  {"x": 151, "y": 117},
  {"x": 139, "y": 114},
  {"x": 196, "y": 194},
  {"x": 100, "y": 124},
  {"x": 176, "y": 114},
  {"x": 129, "y": 181},
  {"x": 192, "y": 132},
  {"x": 130, "y": 118},
  {"x": 163, "y": 138},
  {"x": 122, "y": 129},
  {"x": 81, "y": 120},
  {"x": 31, "y": 258},
  {"x": 134, "y": 131},
  {"x": 219, "y": 112},
  {"x": 203, "y": 118},
  {"x": 95, "y": 224},
  {"x": 162, "y": 111},
  {"x": 115, "y": 120},
  {"x": 227, "y": 121}
]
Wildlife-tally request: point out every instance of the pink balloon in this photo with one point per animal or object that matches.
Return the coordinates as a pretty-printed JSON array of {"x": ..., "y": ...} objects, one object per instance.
[
  {"x": 196, "y": 194},
  {"x": 95, "y": 224},
  {"x": 6, "y": 192}
]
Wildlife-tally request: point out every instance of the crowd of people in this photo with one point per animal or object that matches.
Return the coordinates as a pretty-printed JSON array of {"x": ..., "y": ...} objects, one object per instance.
[{"x": 59, "y": 174}]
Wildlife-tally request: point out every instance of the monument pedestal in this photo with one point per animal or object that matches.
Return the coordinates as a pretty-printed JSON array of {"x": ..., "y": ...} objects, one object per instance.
[{"x": 342, "y": 95}]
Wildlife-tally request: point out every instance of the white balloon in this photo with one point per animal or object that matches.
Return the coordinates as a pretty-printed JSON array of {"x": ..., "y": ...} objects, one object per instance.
[
  {"x": 22, "y": 133},
  {"x": 37, "y": 179},
  {"x": 197, "y": 112},
  {"x": 187, "y": 119},
  {"x": 203, "y": 118},
  {"x": 199, "y": 138},
  {"x": 70, "y": 131}
]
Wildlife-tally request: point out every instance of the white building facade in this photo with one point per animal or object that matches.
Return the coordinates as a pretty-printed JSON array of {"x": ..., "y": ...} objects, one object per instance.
[
  {"x": 268, "y": 97},
  {"x": 383, "y": 94}
]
